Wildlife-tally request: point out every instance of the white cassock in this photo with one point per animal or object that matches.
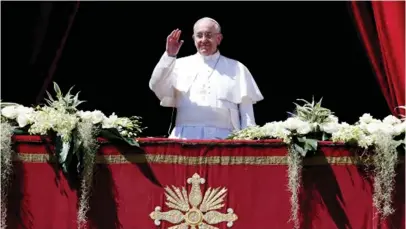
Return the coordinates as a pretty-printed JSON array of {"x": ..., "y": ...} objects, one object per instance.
[{"x": 213, "y": 95}]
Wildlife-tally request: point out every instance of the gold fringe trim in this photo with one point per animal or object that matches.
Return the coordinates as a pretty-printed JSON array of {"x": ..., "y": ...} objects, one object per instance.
[{"x": 209, "y": 160}]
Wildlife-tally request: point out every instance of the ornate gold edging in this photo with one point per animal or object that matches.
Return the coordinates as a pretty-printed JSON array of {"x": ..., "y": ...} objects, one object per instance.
[{"x": 209, "y": 160}]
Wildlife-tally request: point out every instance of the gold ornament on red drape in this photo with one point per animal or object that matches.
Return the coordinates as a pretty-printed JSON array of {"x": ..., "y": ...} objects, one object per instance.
[{"x": 194, "y": 211}]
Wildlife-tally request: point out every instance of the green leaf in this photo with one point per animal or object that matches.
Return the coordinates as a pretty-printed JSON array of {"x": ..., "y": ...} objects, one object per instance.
[
  {"x": 77, "y": 150},
  {"x": 301, "y": 139},
  {"x": 307, "y": 147},
  {"x": 132, "y": 142},
  {"x": 57, "y": 89},
  {"x": 18, "y": 131},
  {"x": 325, "y": 136},
  {"x": 113, "y": 135},
  {"x": 312, "y": 143},
  {"x": 299, "y": 149},
  {"x": 307, "y": 144},
  {"x": 6, "y": 104},
  {"x": 58, "y": 152},
  {"x": 50, "y": 96},
  {"x": 397, "y": 143}
]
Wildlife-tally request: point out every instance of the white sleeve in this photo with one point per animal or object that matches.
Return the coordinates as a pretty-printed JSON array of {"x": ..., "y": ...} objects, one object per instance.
[
  {"x": 243, "y": 86},
  {"x": 161, "y": 82},
  {"x": 247, "y": 117}
]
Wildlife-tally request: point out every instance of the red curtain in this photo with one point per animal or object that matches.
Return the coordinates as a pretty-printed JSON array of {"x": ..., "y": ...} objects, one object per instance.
[
  {"x": 52, "y": 33},
  {"x": 336, "y": 192},
  {"x": 381, "y": 25}
]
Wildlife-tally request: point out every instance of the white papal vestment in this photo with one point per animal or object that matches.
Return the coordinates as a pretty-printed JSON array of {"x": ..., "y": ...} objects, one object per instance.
[{"x": 213, "y": 95}]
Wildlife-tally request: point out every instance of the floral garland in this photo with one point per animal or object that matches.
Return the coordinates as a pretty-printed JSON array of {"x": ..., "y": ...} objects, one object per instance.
[
  {"x": 75, "y": 133},
  {"x": 311, "y": 123},
  {"x": 6, "y": 167},
  {"x": 387, "y": 138}
]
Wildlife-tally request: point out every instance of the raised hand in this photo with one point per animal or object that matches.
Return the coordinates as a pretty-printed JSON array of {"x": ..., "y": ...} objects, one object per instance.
[{"x": 172, "y": 43}]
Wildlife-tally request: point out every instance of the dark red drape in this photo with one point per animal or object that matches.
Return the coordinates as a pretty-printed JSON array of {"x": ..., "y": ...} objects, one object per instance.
[
  {"x": 381, "y": 25},
  {"x": 336, "y": 192},
  {"x": 52, "y": 31}
]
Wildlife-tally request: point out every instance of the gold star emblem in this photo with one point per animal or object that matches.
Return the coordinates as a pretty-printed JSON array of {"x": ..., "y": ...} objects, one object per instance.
[{"x": 194, "y": 211}]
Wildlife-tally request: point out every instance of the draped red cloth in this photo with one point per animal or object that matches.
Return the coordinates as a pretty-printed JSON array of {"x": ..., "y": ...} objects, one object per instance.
[
  {"x": 382, "y": 30},
  {"x": 129, "y": 184}
]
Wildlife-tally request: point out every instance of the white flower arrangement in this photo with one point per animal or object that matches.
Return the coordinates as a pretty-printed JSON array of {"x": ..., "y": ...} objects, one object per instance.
[
  {"x": 308, "y": 124},
  {"x": 62, "y": 117},
  {"x": 311, "y": 123},
  {"x": 74, "y": 131},
  {"x": 368, "y": 131},
  {"x": 125, "y": 126},
  {"x": 365, "y": 133},
  {"x": 44, "y": 119},
  {"x": 386, "y": 138}
]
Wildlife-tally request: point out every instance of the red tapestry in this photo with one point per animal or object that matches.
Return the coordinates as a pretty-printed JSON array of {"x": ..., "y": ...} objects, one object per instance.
[{"x": 129, "y": 185}]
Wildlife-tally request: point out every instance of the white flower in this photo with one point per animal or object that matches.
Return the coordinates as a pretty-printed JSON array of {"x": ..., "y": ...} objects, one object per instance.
[
  {"x": 332, "y": 119},
  {"x": 366, "y": 118},
  {"x": 372, "y": 128},
  {"x": 23, "y": 120},
  {"x": 97, "y": 116},
  {"x": 330, "y": 127},
  {"x": 399, "y": 128},
  {"x": 387, "y": 129},
  {"x": 304, "y": 129},
  {"x": 344, "y": 125},
  {"x": 276, "y": 130},
  {"x": 59, "y": 121},
  {"x": 365, "y": 141},
  {"x": 9, "y": 112},
  {"x": 110, "y": 122},
  {"x": 377, "y": 128},
  {"x": 391, "y": 120},
  {"x": 349, "y": 133},
  {"x": 85, "y": 115},
  {"x": 124, "y": 122},
  {"x": 24, "y": 115},
  {"x": 295, "y": 124},
  {"x": 42, "y": 122},
  {"x": 124, "y": 133}
]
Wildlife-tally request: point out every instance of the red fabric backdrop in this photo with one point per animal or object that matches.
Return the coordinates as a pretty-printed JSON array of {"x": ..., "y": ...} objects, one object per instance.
[
  {"x": 128, "y": 185},
  {"x": 382, "y": 31}
]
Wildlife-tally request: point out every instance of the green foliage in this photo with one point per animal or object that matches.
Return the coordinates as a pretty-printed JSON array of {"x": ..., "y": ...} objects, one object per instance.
[
  {"x": 312, "y": 112},
  {"x": 113, "y": 135},
  {"x": 251, "y": 132},
  {"x": 68, "y": 102},
  {"x": 304, "y": 145}
]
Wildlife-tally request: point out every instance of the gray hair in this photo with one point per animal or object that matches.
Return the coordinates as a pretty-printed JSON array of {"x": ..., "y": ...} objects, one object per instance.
[{"x": 216, "y": 24}]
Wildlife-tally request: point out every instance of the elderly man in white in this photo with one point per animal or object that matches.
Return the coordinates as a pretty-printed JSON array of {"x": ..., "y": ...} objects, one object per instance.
[{"x": 213, "y": 94}]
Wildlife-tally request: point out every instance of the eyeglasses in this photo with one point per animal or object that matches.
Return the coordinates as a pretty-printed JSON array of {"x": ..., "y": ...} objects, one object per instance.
[{"x": 208, "y": 35}]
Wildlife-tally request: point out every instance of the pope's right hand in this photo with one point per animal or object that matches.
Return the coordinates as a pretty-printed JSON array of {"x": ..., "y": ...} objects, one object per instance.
[{"x": 172, "y": 43}]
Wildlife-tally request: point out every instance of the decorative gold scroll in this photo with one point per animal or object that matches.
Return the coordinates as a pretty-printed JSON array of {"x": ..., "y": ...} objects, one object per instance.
[
  {"x": 200, "y": 160},
  {"x": 194, "y": 210}
]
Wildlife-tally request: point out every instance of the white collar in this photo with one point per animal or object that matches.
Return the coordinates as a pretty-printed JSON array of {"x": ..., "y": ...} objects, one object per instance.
[{"x": 210, "y": 57}]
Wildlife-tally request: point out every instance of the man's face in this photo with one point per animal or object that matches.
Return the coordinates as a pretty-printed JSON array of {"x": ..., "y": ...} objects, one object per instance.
[{"x": 206, "y": 37}]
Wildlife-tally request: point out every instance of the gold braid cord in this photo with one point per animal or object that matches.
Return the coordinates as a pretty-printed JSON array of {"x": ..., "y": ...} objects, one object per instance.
[
  {"x": 194, "y": 210},
  {"x": 202, "y": 160}
]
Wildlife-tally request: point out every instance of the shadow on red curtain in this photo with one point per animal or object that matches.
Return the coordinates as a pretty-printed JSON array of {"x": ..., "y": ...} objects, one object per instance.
[
  {"x": 53, "y": 27},
  {"x": 381, "y": 27}
]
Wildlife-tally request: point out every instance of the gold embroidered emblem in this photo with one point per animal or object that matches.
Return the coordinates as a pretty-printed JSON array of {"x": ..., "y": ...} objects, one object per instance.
[{"x": 194, "y": 211}]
